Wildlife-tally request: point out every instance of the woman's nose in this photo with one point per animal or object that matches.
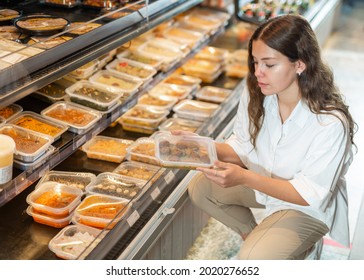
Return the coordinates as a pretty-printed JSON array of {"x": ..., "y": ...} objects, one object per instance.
[{"x": 257, "y": 71}]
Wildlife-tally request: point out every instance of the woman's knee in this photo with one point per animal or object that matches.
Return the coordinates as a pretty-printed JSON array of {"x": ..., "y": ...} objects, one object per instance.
[{"x": 198, "y": 188}]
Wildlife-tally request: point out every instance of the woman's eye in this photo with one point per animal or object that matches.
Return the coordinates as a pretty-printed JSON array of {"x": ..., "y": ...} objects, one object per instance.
[{"x": 270, "y": 65}]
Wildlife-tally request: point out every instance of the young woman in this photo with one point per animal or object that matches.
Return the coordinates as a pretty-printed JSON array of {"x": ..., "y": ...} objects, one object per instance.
[{"x": 290, "y": 149}]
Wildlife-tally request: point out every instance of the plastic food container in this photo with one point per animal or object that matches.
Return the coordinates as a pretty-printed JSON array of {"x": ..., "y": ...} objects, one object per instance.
[
  {"x": 163, "y": 102},
  {"x": 52, "y": 93},
  {"x": 155, "y": 62},
  {"x": 183, "y": 80},
  {"x": 179, "y": 124},
  {"x": 73, "y": 240},
  {"x": 180, "y": 92},
  {"x": 143, "y": 150},
  {"x": 206, "y": 70},
  {"x": 31, "y": 166},
  {"x": 116, "y": 185},
  {"x": 203, "y": 22},
  {"x": 35, "y": 122},
  {"x": 48, "y": 220},
  {"x": 107, "y": 148},
  {"x": 185, "y": 151},
  {"x": 61, "y": 3},
  {"x": 85, "y": 71},
  {"x": 195, "y": 110},
  {"x": 213, "y": 94},
  {"x": 10, "y": 111},
  {"x": 30, "y": 145},
  {"x": 115, "y": 82},
  {"x": 213, "y": 54},
  {"x": 137, "y": 170},
  {"x": 78, "y": 180},
  {"x": 77, "y": 117},
  {"x": 54, "y": 199},
  {"x": 168, "y": 53},
  {"x": 137, "y": 128},
  {"x": 237, "y": 70},
  {"x": 144, "y": 116},
  {"x": 99, "y": 4},
  {"x": 101, "y": 211},
  {"x": 182, "y": 35},
  {"x": 131, "y": 69},
  {"x": 93, "y": 96}
]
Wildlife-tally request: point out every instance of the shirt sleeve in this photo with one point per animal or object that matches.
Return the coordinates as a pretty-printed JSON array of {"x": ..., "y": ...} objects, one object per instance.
[
  {"x": 240, "y": 138},
  {"x": 315, "y": 181}
]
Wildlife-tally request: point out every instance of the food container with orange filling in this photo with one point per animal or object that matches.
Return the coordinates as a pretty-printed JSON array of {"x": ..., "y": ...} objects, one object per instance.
[
  {"x": 101, "y": 211},
  {"x": 77, "y": 117},
  {"x": 49, "y": 220},
  {"x": 10, "y": 111},
  {"x": 54, "y": 199}
]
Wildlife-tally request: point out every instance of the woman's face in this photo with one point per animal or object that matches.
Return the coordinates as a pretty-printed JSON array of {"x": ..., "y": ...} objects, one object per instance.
[{"x": 274, "y": 72}]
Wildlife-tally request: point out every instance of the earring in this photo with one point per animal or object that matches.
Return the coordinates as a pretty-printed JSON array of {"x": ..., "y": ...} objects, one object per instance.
[{"x": 299, "y": 73}]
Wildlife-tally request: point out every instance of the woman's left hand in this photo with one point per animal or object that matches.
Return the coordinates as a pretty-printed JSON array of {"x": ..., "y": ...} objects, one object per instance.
[{"x": 225, "y": 174}]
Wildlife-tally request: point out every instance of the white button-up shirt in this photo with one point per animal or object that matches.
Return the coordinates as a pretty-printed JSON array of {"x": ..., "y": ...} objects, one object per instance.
[{"x": 307, "y": 149}]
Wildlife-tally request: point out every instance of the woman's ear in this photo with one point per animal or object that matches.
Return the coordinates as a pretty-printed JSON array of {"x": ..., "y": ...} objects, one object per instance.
[{"x": 300, "y": 67}]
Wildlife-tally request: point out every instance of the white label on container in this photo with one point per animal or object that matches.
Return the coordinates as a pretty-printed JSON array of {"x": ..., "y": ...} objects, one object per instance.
[
  {"x": 155, "y": 193},
  {"x": 133, "y": 218},
  {"x": 6, "y": 174},
  {"x": 169, "y": 177}
]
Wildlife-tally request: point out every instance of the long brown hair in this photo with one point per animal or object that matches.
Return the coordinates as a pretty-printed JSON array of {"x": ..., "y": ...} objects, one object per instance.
[{"x": 293, "y": 36}]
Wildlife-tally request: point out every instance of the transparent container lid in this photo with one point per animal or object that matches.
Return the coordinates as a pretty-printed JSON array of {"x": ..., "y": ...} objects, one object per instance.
[
  {"x": 137, "y": 170},
  {"x": 213, "y": 94},
  {"x": 107, "y": 148},
  {"x": 185, "y": 151},
  {"x": 168, "y": 53},
  {"x": 30, "y": 145},
  {"x": 115, "y": 185},
  {"x": 138, "y": 128},
  {"x": 54, "y": 199},
  {"x": 78, "y": 180},
  {"x": 77, "y": 117}
]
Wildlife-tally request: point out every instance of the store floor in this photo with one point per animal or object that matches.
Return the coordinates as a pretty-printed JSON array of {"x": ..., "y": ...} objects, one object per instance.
[{"x": 344, "y": 52}]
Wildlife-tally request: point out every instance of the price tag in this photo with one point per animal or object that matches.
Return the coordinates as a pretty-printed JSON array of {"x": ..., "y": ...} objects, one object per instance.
[
  {"x": 155, "y": 193},
  {"x": 133, "y": 218},
  {"x": 169, "y": 177}
]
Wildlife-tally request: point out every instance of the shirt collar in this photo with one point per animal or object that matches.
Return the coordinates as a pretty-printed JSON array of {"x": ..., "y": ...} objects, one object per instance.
[{"x": 299, "y": 115}]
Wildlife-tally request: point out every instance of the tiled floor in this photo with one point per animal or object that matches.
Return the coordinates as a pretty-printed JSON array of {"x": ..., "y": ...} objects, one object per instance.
[{"x": 344, "y": 52}]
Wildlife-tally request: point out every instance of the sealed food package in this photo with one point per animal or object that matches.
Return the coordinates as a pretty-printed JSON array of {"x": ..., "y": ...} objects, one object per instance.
[
  {"x": 38, "y": 123},
  {"x": 116, "y": 185},
  {"x": 179, "y": 124},
  {"x": 162, "y": 102},
  {"x": 30, "y": 145},
  {"x": 107, "y": 148},
  {"x": 143, "y": 150},
  {"x": 49, "y": 220},
  {"x": 236, "y": 70},
  {"x": 183, "y": 35},
  {"x": 207, "y": 23},
  {"x": 54, "y": 199},
  {"x": 78, "y": 180},
  {"x": 39, "y": 161},
  {"x": 155, "y": 62},
  {"x": 195, "y": 110},
  {"x": 185, "y": 151},
  {"x": 53, "y": 92},
  {"x": 144, "y": 116},
  {"x": 78, "y": 118},
  {"x": 85, "y": 71},
  {"x": 213, "y": 94},
  {"x": 180, "y": 92},
  {"x": 93, "y": 96},
  {"x": 183, "y": 80},
  {"x": 101, "y": 211},
  {"x": 10, "y": 111},
  {"x": 73, "y": 240},
  {"x": 137, "y": 170},
  {"x": 213, "y": 54},
  {"x": 207, "y": 71}
]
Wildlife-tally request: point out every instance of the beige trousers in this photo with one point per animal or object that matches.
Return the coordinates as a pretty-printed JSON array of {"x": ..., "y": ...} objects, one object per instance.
[{"x": 284, "y": 235}]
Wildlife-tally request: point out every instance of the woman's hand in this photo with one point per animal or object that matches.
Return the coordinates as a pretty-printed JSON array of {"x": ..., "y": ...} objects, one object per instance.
[
  {"x": 225, "y": 174},
  {"x": 183, "y": 133}
]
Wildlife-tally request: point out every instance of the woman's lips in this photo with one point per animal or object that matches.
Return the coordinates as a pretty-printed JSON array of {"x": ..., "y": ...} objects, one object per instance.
[{"x": 261, "y": 85}]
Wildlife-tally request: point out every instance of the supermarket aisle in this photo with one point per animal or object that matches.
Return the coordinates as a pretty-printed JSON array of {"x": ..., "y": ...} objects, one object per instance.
[{"x": 344, "y": 52}]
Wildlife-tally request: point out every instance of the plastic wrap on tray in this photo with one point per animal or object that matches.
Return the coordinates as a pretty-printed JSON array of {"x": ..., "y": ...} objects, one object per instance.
[
  {"x": 79, "y": 180},
  {"x": 195, "y": 110},
  {"x": 101, "y": 211},
  {"x": 78, "y": 118},
  {"x": 107, "y": 148},
  {"x": 185, "y": 151},
  {"x": 116, "y": 185}
]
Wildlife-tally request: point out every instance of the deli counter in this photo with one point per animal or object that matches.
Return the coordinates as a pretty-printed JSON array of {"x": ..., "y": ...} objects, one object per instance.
[{"x": 159, "y": 222}]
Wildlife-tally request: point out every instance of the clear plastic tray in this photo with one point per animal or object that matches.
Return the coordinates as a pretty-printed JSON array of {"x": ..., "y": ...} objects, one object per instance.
[
  {"x": 137, "y": 170},
  {"x": 143, "y": 150},
  {"x": 213, "y": 94},
  {"x": 10, "y": 111},
  {"x": 144, "y": 116},
  {"x": 195, "y": 110},
  {"x": 180, "y": 92},
  {"x": 54, "y": 199},
  {"x": 115, "y": 82},
  {"x": 73, "y": 240},
  {"x": 30, "y": 145},
  {"x": 213, "y": 54},
  {"x": 115, "y": 185},
  {"x": 179, "y": 124},
  {"x": 93, "y": 96},
  {"x": 77, "y": 117},
  {"x": 131, "y": 69},
  {"x": 101, "y": 211},
  {"x": 78, "y": 180},
  {"x": 48, "y": 219},
  {"x": 185, "y": 151},
  {"x": 163, "y": 102},
  {"x": 36, "y": 122},
  {"x": 107, "y": 148},
  {"x": 132, "y": 56}
]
